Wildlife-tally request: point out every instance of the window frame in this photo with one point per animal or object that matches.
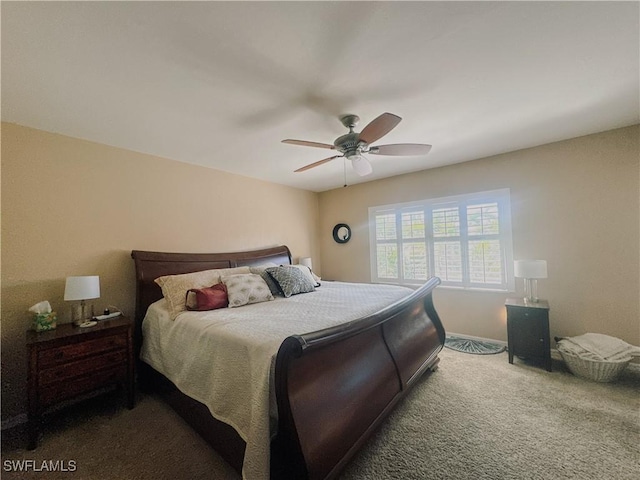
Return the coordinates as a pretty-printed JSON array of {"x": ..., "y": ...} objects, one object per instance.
[{"x": 501, "y": 197}]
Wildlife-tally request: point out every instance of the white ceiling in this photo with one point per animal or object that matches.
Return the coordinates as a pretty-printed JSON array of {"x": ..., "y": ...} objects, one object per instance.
[{"x": 221, "y": 84}]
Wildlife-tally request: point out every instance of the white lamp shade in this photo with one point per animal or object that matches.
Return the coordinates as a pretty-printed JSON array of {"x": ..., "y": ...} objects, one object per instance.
[
  {"x": 530, "y": 268},
  {"x": 82, "y": 288},
  {"x": 306, "y": 261}
]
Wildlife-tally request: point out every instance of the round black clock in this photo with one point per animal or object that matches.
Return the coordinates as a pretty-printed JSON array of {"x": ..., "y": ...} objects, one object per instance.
[{"x": 341, "y": 233}]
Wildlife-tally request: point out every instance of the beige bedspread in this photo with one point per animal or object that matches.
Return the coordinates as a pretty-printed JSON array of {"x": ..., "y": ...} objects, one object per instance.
[{"x": 225, "y": 358}]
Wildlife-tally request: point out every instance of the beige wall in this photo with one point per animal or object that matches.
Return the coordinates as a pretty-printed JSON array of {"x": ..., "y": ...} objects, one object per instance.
[
  {"x": 574, "y": 203},
  {"x": 72, "y": 207}
]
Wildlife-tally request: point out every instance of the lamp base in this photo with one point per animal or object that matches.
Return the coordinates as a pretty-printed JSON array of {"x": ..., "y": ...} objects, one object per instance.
[
  {"x": 531, "y": 290},
  {"x": 80, "y": 315}
]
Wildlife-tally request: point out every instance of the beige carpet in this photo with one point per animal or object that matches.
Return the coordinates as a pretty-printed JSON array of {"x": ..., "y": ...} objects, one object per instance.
[{"x": 477, "y": 417}]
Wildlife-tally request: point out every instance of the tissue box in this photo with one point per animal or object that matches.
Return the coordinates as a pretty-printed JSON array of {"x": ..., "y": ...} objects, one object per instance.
[{"x": 44, "y": 321}]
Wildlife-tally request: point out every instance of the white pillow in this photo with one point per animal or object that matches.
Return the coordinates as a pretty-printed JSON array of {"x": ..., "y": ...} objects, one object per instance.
[
  {"x": 175, "y": 287},
  {"x": 262, "y": 271},
  {"x": 246, "y": 288}
]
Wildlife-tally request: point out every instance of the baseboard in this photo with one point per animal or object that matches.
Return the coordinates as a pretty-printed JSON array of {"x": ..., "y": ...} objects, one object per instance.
[{"x": 14, "y": 421}]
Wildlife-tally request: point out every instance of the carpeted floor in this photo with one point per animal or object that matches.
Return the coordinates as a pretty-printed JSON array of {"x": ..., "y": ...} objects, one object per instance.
[{"x": 477, "y": 417}]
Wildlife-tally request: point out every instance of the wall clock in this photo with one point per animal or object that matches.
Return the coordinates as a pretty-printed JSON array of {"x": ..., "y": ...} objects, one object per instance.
[{"x": 342, "y": 233}]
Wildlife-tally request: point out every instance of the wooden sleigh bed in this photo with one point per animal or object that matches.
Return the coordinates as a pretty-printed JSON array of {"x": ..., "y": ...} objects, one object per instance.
[{"x": 387, "y": 352}]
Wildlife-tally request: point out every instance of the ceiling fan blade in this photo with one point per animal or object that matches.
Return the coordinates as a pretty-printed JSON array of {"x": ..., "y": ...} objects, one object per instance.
[
  {"x": 379, "y": 127},
  {"x": 401, "y": 149},
  {"x": 304, "y": 143},
  {"x": 361, "y": 166},
  {"x": 316, "y": 164}
]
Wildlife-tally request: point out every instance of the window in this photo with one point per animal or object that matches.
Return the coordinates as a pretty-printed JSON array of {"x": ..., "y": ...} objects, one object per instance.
[{"x": 465, "y": 240}]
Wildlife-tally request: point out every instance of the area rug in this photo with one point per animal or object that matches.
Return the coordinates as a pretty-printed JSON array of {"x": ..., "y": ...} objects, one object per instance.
[{"x": 477, "y": 347}]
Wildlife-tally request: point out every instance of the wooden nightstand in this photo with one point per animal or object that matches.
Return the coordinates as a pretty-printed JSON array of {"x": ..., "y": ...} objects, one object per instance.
[
  {"x": 70, "y": 361},
  {"x": 528, "y": 330}
]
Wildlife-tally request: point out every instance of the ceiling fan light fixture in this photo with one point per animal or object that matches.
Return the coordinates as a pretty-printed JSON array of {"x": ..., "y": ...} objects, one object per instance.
[{"x": 361, "y": 165}]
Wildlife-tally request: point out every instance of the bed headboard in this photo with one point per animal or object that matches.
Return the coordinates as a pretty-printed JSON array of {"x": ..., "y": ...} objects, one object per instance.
[{"x": 151, "y": 265}]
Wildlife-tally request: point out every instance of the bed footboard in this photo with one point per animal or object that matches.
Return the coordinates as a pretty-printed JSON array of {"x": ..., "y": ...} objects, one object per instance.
[{"x": 335, "y": 386}]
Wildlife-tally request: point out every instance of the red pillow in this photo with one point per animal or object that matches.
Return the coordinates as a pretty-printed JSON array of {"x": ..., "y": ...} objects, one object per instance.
[{"x": 211, "y": 298}]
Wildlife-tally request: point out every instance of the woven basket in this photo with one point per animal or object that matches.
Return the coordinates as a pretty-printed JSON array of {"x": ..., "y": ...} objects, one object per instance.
[{"x": 598, "y": 371}]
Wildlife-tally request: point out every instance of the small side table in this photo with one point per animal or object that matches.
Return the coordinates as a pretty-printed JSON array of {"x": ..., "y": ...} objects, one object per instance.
[
  {"x": 70, "y": 361},
  {"x": 528, "y": 330}
]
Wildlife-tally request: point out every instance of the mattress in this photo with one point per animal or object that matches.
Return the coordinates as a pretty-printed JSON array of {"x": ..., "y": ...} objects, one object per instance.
[{"x": 225, "y": 358}]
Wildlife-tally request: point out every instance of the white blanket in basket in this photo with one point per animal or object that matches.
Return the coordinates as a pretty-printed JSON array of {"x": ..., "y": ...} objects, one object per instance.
[{"x": 596, "y": 346}]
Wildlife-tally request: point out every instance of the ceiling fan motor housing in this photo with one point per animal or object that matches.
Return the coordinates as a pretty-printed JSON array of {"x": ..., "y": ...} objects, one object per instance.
[{"x": 349, "y": 144}]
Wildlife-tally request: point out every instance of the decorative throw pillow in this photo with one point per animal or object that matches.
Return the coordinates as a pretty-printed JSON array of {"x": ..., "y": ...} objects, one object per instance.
[
  {"x": 174, "y": 287},
  {"x": 246, "y": 288},
  {"x": 261, "y": 270},
  {"x": 307, "y": 273},
  {"x": 291, "y": 280},
  {"x": 212, "y": 298}
]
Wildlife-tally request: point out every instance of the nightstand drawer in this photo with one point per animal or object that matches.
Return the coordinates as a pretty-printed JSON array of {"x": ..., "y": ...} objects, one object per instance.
[
  {"x": 81, "y": 367},
  {"x": 523, "y": 314},
  {"x": 64, "y": 390},
  {"x": 67, "y": 353}
]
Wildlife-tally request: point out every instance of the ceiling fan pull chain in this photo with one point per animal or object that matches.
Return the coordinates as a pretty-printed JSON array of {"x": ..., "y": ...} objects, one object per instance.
[{"x": 344, "y": 164}]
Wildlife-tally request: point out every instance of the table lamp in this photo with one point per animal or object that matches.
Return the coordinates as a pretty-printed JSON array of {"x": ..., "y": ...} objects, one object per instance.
[
  {"x": 531, "y": 271},
  {"x": 306, "y": 261},
  {"x": 82, "y": 288}
]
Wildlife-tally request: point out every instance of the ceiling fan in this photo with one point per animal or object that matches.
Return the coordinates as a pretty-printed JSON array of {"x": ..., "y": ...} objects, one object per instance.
[{"x": 352, "y": 145}]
